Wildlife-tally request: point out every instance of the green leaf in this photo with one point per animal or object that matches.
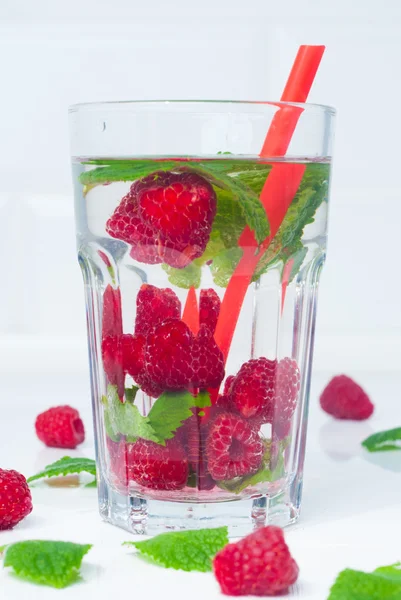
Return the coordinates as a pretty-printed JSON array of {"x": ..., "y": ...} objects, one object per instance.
[
  {"x": 45, "y": 562},
  {"x": 185, "y": 278},
  {"x": 66, "y": 466},
  {"x": 224, "y": 264},
  {"x": 390, "y": 571},
  {"x": 357, "y": 585},
  {"x": 383, "y": 441},
  {"x": 184, "y": 550},
  {"x": 130, "y": 394},
  {"x": 124, "y": 418},
  {"x": 170, "y": 411},
  {"x": 124, "y": 170},
  {"x": 237, "y": 485},
  {"x": 229, "y": 221}
]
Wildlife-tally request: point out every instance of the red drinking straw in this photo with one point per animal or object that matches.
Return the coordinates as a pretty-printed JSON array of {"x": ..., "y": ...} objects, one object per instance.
[
  {"x": 278, "y": 191},
  {"x": 277, "y": 194}
]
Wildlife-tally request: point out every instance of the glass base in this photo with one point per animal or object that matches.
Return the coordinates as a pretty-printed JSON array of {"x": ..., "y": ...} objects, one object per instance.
[{"x": 151, "y": 517}]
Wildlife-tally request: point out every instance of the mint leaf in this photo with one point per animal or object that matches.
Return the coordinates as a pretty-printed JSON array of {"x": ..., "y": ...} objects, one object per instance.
[
  {"x": 391, "y": 571},
  {"x": 170, "y": 411},
  {"x": 237, "y": 485},
  {"x": 187, "y": 277},
  {"x": 66, "y": 466},
  {"x": 224, "y": 265},
  {"x": 229, "y": 221},
  {"x": 123, "y": 170},
  {"x": 383, "y": 441},
  {"x": 185, "y": 550},
  {"x": 130, "y": 394},
  {"x": 125, "y": 418},
  {"x": 357, "y": 585},
  {"x": 45, "y": 562}
]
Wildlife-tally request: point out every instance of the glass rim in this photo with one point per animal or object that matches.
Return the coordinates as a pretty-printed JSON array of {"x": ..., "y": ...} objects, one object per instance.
[{"x": 115, "y": 104}]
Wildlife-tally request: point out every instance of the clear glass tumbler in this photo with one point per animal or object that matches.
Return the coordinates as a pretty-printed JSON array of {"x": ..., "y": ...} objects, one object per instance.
[{"x": 201, "y": 258}]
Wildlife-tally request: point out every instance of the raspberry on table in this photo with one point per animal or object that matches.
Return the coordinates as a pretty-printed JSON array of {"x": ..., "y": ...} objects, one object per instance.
[
  {"x": 258, "y": 565},
  {"x": 15, "y": 498},
  {"x": 153, "y": 306},
  {"x": 343, "y": 398},
  {"x": 60, "y": 427},
  {"x": 209, "y": 308},
  {"x": 252, "y": 391},
  {"x": 166, "y": 217},
  {"x": 158, "y": 467},
  {"x": 233, "y": 447}
]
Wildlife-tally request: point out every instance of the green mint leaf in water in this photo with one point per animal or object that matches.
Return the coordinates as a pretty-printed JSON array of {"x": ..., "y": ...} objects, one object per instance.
[
  {"x": 123, "y": 170},
  {"x": 224, "y": 265},
  {"x": 45, "y": 562},
  {"x": 384, "y": 441},
  {"x": 66, "y": 466},
  {"x": 239, "y": 484},
  {"x": 184, "y": 550},
  {"x": 171, "y": 410},
  {"x": 125, "y": 419},
  {"x": 185, "y": 278},
  {"x": 229, "y": 221},
  {"x": 357, "y": 585}
]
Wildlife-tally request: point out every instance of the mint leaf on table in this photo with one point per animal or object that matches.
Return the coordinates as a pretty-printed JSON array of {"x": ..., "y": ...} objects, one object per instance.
[
  {"x": 357, "y": 585},
  {"x": 45, "y": 562},
  {"x": 384, "y": 441},
  {"x": 187, "y": 277},
  {"x": 124, "y": 418},
  {"x": 66, "y": 466},
  {"x": 170, "y": 411},
  {"x": 184, "y": 550}
]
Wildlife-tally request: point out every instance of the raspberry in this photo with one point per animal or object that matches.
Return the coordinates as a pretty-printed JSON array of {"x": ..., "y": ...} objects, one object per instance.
[
  {"x": 158, "y": 467},
  {"x": 207, "y": 360},
  {"x": 286, "y": 395},
  {"x": 15, "y": 499},
  {"x": 192, "y": 436},
  {"x": 343, "y": 398},
  {"x": 112, "y": 328},
  {"x": 153, "y": 306},
  {"x": 125, "y": 224},
  {"x": 228, "y": 385},
  {"x": 233, "y": 448},
  {"x": 209, "y": 308},
  {"x": 60, "y": 427},
  {"x": 133, "y": 351},
  {"x": 168, "y": 355},
  {"x": 166, "y": 217},
  {"x": 252, "y": 391},
  {"x": 258, "y": 565},
  {"x": 175, "y": 359}
]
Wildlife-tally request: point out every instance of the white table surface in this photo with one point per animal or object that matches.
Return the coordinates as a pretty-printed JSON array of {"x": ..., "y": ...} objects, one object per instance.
[{"x": 351, "y": 513}]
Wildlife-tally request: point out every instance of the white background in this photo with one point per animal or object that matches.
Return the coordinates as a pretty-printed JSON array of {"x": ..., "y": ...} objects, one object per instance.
[{"x": 53, "y": 54}]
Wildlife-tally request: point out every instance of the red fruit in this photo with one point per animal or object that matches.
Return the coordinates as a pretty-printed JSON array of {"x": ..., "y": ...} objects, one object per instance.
[
  {"x": 166, "y": 217},
  {"x": 60, "y": 427},
  {"x": 153, "y": 306},
  {"x": 168, "y": 355},
  {"x": 15, "y": 499},
  {"x": 158, "y": 467},
  {"x": 287, "y": 389},
  {"x": 258, "y": 565},
  {"x": 343, "y": 398},
  {"x": 112, "y": 329},
  {"x": 125, "y": 224},
  {"x": 228, "y": 385},
  {"x": 209, "y": 308},
  {"x": 252, "y": 392},
  {"x": 281, "y": 429},
  {"x": 133, "y": 351},
  {"x": 207, "y": 360},
  {"x": 233, "y": 448}
]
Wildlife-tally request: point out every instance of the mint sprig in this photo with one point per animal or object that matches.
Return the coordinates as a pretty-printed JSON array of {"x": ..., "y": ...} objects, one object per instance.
[
  {"x": 45, "y": 562},
  {"x": 184, "y": 550},
  {"x": 383, "y": 441},
  {"x": 185, "y": 278},
  {"x": 383, "y": 584},
  {"x": 167, "y": 414},
  {"x": 66, "y": 466}
]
